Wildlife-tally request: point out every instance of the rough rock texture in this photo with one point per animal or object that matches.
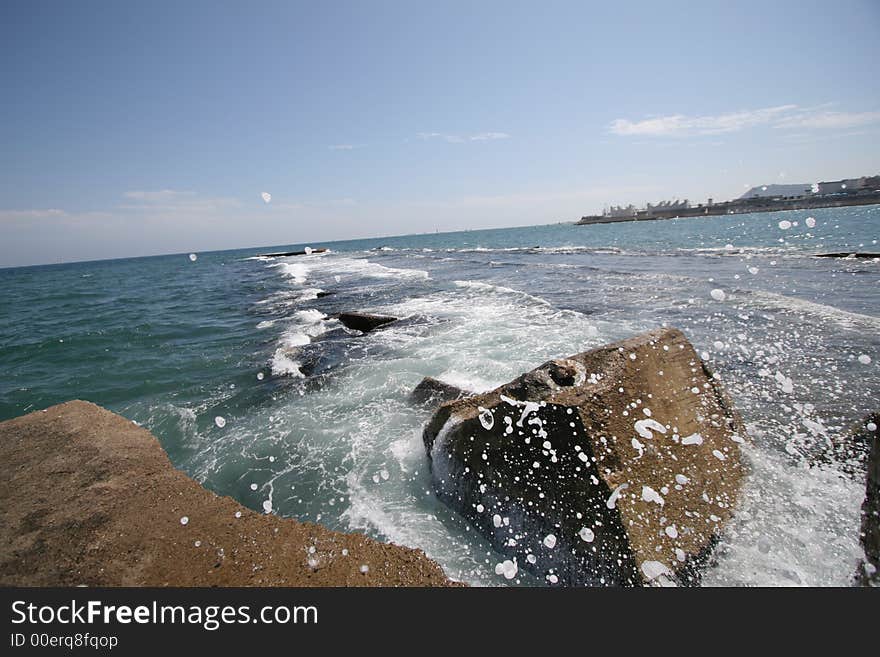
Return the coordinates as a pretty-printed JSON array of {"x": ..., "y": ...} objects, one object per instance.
[
  {"x": 364, "y": 321},
  {"x": 87, "y": 497},
  {"x": 850, "y": 449},
  {"x": 869, "y": 573},
  {"x": 434, "y": 391},
  {"x": 572, "y": 449}
]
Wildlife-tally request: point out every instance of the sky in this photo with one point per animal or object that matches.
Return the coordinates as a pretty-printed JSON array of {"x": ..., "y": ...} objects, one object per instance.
[{"x": 140, "y": 128}]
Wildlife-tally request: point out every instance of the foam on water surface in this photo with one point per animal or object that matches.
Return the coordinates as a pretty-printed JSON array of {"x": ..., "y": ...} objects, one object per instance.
[{"x": 328, "y": 435}]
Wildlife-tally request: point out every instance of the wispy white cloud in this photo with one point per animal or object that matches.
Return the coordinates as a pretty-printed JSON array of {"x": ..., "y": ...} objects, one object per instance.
[
  {"x": 680, "y": 125},
  {"x": 829, "y": 120},
  {"x": 780, "y": 117},
  {"x": 452, "y": 139},
  {"x": 31, "y": 214},
  {"x": 159, "y": 196},
  {"x": 485, "y": 136},
  {"x": 344, "y": 147},
  {"x": 459, "y": 139}
]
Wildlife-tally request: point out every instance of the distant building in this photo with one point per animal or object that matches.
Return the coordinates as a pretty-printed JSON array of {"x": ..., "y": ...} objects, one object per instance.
[
  {"x": 764, "y": 198},
  {"x": 777, "y": 191},
  {"x": 669, "y": 205},
  {"x": 832, "y": 187},
  {"x": 620, "y": 211},
  {"x": 869, "y": 183}
]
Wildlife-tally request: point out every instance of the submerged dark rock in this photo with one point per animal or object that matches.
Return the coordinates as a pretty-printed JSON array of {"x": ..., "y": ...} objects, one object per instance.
[
  {"x": 364, "y": 321},
  {"x": 848, "y": 254},
  {"x": 869, "y": 572},
  {"x": 292, "y": 253},
  {"x": 434, "y": 391},
  {"x": 616, "y": 466}
]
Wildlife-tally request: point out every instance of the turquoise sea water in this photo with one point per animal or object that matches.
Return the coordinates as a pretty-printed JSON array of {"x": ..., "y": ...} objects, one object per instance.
[{"x": 317, "y": 425}]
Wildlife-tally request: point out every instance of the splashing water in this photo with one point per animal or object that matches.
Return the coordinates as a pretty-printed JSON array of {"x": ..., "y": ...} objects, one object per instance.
[{"x": 328, "y": 435}]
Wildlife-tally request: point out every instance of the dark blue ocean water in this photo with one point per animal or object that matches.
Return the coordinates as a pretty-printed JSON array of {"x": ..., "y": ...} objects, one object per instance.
[{"x": 317, "y": 425}]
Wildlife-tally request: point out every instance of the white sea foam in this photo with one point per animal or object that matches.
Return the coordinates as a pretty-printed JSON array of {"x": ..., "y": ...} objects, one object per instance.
[
  {"x": 474, "y": 336},
  {"x": 795, "y": 525},
  {"x": 297, "y": 271},
  {"x": 479, "y": 334},
  {"x": 645, "y": 427},
  {"x": 347, "y": 268},
  {"x": 305, "y": 325},
  {"x": 802, "y": 307},
  {"x": 283, "y": 365}
]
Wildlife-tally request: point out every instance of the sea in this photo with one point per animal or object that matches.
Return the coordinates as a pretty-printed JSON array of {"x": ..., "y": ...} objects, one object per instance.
[{"x": 235, "y": 363}]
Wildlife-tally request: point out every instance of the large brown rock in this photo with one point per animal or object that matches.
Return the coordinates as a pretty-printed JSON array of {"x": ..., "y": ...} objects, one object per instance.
[
  {"x": 87, "y": 497},
  {"x": 617, "y": 466}
]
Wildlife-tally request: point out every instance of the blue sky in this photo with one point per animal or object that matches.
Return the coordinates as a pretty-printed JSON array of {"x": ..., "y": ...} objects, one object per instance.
[{"x": 140, "y": 128}]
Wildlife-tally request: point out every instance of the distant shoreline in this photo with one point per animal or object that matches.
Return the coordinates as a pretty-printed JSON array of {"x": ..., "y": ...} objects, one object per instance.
[{"x": 739, "y": 206}]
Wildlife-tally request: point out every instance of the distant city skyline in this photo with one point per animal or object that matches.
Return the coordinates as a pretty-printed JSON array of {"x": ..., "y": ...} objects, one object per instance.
[{"x": 137, "y": 129}]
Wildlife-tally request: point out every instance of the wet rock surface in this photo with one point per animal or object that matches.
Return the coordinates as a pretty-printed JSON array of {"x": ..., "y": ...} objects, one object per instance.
[
  {"x": 616, "y": 466},
  {"x": 364, "y": 321},
  {"x": 869, "y": 572},
  {"x": 293, "y": 253},
  {"x": 848, "y": 254},
  {"x": 433, "y": 391},
  {"x": 89, "y": 498}
]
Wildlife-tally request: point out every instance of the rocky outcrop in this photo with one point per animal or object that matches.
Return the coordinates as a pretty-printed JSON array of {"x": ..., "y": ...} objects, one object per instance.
[
  {"x": 308, "y": 251},
  {"x": 617, "y": 466},
  {"x": 433, "y": 391},
  {"x": 87, "y": 497},
  {"x": 849, "y": 450},
  {"x": 364, "y": 321},
  {"x": 869, "y": 572},
  {"x": 849, "y": 254}
]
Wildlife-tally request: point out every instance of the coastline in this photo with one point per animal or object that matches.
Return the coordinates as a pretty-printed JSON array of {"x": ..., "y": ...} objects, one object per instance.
[{"x": 738, "y": 206}]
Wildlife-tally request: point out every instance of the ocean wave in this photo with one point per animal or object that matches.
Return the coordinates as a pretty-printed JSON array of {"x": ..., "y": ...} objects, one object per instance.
[
  {"x": 658, "y": 250},
  {"x": 297, "y": 271},
  {"x": 739, "y": 251},
  {"x": 286, "y": 298},
  {"x": 569, "y": 249},
  {"x": 282, "y": 364},
  {"x": 489, "y": 287},
  {"x": 794, "y": 526},
  {"x": 802, "y": 307},
  {"x": 362, "y": 267},
  {"x": 305, "y": 326}
]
